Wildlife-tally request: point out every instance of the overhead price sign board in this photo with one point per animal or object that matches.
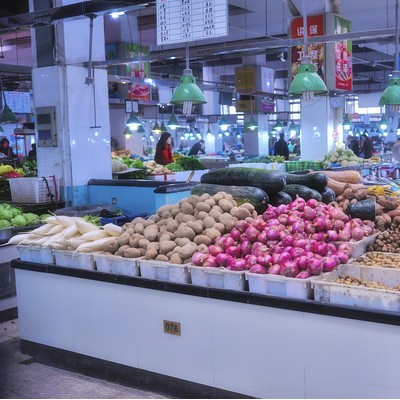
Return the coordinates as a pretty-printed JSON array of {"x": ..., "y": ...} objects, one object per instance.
[{"x": 189, "y": 20}]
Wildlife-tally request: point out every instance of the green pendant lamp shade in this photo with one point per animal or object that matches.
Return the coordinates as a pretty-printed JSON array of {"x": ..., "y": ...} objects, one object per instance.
[
  {"x": 278, "y": 126},
  {"x": 292, "y": 128},
  {"x": 391, "y": 96},
  {"x": 252, "y": 124},
  {"x": 209, "y": 133},
  {"x": 140, "y": 129},
  {"x": 1, "y": 129},
  {"x": 133, "y": 121},
  {"x": 346, "y": 123},
  {"x": 224, "y": 123},
  {"x": 172, "y": 122},
  {"x": 127, "y": 132},
  {"x": 7, "y": 117},
  {"x": 307, "y": 82},
  {"x": 163, "y": 128},
  {"x": 383, "y": 123},
  {"x": 188, "y": 93},
  {"x": 156, "y": 129}
]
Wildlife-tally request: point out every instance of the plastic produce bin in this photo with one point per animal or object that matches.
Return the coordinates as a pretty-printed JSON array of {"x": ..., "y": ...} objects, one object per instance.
[
  {"x": 116, "y": 265},
  {"x": 34, "y": 190},
  {"x": 219, "y": 278},
  {"x": 359, "y": 247},
  {"x": 164, "y": 271},
  {"x": 74, "y": 259},
  {"x": 36, "y": 254}
]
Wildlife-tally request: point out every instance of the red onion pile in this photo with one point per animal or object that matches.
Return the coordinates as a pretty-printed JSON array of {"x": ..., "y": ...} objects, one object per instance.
[{"x": 294, "y": 240}]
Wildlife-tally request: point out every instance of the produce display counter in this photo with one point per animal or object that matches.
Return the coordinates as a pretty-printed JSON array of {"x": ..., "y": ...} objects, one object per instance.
[
  {"x": 8, "y": 302},
  {"x": 190, "y": 341},
  {"x": 136, "y": 196}
]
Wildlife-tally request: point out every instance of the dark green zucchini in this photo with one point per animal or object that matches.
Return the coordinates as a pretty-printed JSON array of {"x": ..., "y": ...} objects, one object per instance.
[
  {"x": 328, "y": 195},
  {"x": 303, "y": 191},
  {"x": 317, "y": 181},
  {"x": 363, "y": 209},
  {"x": 241, "y": 194},
  {"x": 276, "y": 199},
  {"x": 269, "y": 181}
]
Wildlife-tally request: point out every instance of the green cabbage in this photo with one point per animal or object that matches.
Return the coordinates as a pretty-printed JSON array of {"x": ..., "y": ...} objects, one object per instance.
[
  {"x": 43, "y": 217},
  {"x": 15, "y": 211},
  {"x": 4, "y": 223},
  {"x": 5, "y": 214},
  {"x": 31, "y": 218},
  {"x": 19, "y": 220}
]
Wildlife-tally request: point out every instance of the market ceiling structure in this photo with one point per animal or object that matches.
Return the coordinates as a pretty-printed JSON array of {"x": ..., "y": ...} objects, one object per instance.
[{"x": 256, "y": 27}]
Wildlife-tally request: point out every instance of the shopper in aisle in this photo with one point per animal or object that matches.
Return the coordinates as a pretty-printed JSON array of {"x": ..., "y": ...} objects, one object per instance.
[
  {"x": 196, "y": 148},
  {"x": 366, "y": 146},
  {"x": 164, "y": 154},
  {"x": 6, "y": 149},
  {"x": 32, "y": 153},
  {"x": 354, "y": 145},
  {"x": 281, "y": 147}
]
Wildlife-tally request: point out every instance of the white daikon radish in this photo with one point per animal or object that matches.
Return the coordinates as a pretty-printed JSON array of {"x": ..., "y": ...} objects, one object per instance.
[
  {"x": 38, "y": 241},
  {"x": 94, "y": 235},
  {"x": 71, "y": 231},
  {"x": 84, "y": 227},
  {"x": 60, "y": 220},
  {"x": 74, "y": 243},
  {"x": 55, "y": 229},
  {"x": 58, "y": 246},
  {"x": 42, "y": 230},
  {"x": 113, "y": 230},
  {"x": 17, "y": 239},
  {"x": 53, "y": 239},
  {"x": 92, "y": 247}
]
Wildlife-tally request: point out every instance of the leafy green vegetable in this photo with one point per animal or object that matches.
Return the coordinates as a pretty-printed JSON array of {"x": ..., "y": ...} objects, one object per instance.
[
  {"x": 43, "y": 217},
  {"x": 31, "y": 218},
  {"x": 5, "y": 214},
  {"x": 264, "y": 159},
  {"x": 4, "y": 223},
  {"x": 175, "y": 167},
  {"x": 93, "y": 219},
  {"x": 30, "y": 168},
  {"x": 186, "y": 163},
  {"x": 19, "y": 220}
]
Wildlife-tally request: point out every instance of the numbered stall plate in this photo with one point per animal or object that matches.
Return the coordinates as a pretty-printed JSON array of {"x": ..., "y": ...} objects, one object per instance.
[{"x": 173, "y": 328}]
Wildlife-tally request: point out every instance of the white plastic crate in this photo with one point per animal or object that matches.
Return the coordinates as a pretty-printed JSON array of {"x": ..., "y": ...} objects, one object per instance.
[
  {"x": 360, "y": 247},
  {"x": 280, "y": 286},
  {"x": 36, "y": 254},
  {"x": 220, "y": 278},
  {"x": 74, "y": 259},
  {"x": 161, "y": 177},
  {"x": 164, "y": 271},
  {"x": 33, "y": 190},
  {"x": 5, "y": 234},
  {"x": 116, "y": 265},
  {"x": 182, "y": 176},
  {"x": 326, "y": 290},
  {"x": 270, "y": 166}
]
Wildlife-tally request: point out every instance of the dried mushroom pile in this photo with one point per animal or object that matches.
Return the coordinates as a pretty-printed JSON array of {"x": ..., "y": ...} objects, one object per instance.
[{"x": 176, "y": 232}]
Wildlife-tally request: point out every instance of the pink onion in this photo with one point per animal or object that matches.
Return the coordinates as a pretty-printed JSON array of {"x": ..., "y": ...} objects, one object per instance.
[
  {"x": 238, "y": 264},
  {"x": 223, "y": 259},
  {"x": 357, "y": 233},
  {"x": 258, "y": 269},
  {"x": 261, "y": 250},
  {"x": 309, "y": 213},
  {"x": 303, "y": 275},
  {"x": 298, "y": 227},
  {"x": 292, "y": 218},
  {"x": 259, "y": 224},
  {"x": 275, "y": 258},
  {"x": 235, "y": 234},
  {"x": 329, "y": 263},
  {"x": 319, "y": 237},
  {"x": 367, "y": 230},
  {"x": 272, "y": 242},
  {"x": 273, "y": 233},
  {"x": 272, "y": 222},
  {"x": 262, "y": 237},
  {"x": 296, "y": 252},
  {"x": 214, "y": 249},
  {"x": 211, "y": 262},
  {"x": 283, "y": 257},
  {"x": 337, "y": 214},
  {"x": 276, "y": 250},
  {"x": 302, "y": 262},
  {"x": 241, "y": 225},
  {"x": 312, "y": 203},
  {"x": 328, "y": 224},
  {"x": 319, "y": 224},
  {"x": 320, "y": 248},
  {"x": 331, "y": 248},
  {"x": 332, "y": 236},
  {"x": 297, "y": 204},
  {"x": 264, "y": 260},
  {"x": 274, "y": 270},
  {"x": 309, "y": 227},
  {"x": 301, "y": 243},
  {"x": 345, "y": 247},
  {"x": 251, "y": 233},
  {"x": 198, "y": 258},
  {"x": 288, "y": 240},
  {"x": 338, "y": 225},
  {"x": 344, "y": 236},
  {"x": 314, "y": 266},
  {"x": 245, "y": 247},
  {"x": 289, "y": 269},
  {"x": 343, "y": 257},
  {"x": 283, "y": 219},
  {"x": 251, "y": 259},
  {"x": 281, "y": 209},
  {"x": 234, "y": 251}
]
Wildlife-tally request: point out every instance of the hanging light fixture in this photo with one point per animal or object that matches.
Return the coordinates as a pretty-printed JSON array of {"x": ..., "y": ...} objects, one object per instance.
[
  {"x": 7, "y": 117},
  {"x": 127, "y": 133},
  {"x": 133, "y": 121},
  {"x": 346, "y": 123},
  {"x": 224, "y": 123},
  {"x": 140, "y": 129},
  {"x": 156, "y": 129},
  {"x": 383, "y": 122},
  {"x": 163, "y": 128},
  {"x": 391, "y": 95},
  {"x": 252, "y": 124},
  {"x": 172, "y": 122},
  {"x": 307, "y": 82},
  {"x": 187, "y": 93},
  {"x": 292, "y": 128},
  {"x": 278, "y": 125},
  {"x": 209, "y": 133}
]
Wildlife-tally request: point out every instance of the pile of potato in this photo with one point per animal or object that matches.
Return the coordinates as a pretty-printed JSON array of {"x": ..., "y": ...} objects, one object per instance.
[
  {"x": 152, "y": 168},
  {"x": 351, "y": 280},
  {"x": 375, "y": 259},
  {"x": 176, "y": 232}
]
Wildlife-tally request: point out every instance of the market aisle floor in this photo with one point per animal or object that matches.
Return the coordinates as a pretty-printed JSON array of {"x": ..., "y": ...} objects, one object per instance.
[{"x": 21, "y": 377}]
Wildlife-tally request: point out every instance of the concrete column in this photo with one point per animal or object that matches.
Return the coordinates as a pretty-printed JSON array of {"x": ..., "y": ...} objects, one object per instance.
[
  {"x": 82, "y": 110},
  {"x": 317, "y": 128}
]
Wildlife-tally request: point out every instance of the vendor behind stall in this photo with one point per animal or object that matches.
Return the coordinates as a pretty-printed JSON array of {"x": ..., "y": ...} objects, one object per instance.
[{"x": 6, "y": 149}]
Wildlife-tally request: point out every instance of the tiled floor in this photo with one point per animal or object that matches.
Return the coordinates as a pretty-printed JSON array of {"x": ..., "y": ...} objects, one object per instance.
[{"x": 23, "y": 378}]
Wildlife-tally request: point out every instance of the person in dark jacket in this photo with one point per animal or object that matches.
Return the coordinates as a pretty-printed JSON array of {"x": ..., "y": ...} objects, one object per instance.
[
  {"x": 6, "y": 149},
  {"x": 196, "y": 148},
  {"x": 281, "y": 148},
  {"x": 354, "y": 145},
  {"x": 164, "y": 154},
  {"x": 366, "y": 147}
]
